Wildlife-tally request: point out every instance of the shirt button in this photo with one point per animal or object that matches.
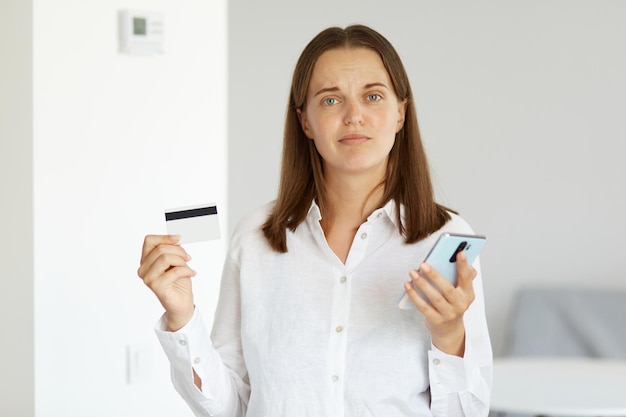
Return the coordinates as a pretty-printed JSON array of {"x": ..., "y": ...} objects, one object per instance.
[
  {"x": 364, "y": 236},
  {"x": 339, "y": 329},
  {"x": 182, "y": 342},
  {"x": 343, "y": 280},
  {"x": 379, "y": 215},
  {"x": 335, "y": 378},
  {"x": 196, "y": 361},
  {"x": 436, "y": 361}
]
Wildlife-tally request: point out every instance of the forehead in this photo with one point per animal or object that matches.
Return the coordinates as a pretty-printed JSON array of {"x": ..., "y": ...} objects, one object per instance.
[{"x": 346, "y": 64}]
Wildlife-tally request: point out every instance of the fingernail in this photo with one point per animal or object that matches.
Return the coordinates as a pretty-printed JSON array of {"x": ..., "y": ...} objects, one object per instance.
[{"x": 425, "y": 268}]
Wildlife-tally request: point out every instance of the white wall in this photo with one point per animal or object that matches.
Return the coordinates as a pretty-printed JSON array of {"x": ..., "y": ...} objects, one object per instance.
[
  {"x": 521, "y": 106},
  {"x": 118, "y": 139},
  {"x": 16, "y": 209}
]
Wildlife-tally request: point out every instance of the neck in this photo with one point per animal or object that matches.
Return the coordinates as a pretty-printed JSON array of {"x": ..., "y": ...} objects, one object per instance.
[
  {"x": 352, "y": 199},
  {"x": 349, "y": 201}
]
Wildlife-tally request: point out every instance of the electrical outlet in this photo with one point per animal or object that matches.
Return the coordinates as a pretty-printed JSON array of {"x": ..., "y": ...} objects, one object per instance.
[{"x": 139, "y": 362}]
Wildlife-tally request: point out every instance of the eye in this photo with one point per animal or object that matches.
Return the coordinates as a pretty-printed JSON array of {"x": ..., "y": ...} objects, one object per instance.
[
  {"x": 374, "y": 97},
  {"x": 329, "y": 101}
]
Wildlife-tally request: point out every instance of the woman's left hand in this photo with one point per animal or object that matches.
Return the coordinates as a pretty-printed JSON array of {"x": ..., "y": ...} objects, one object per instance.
[{"x": 446, "y": 306}]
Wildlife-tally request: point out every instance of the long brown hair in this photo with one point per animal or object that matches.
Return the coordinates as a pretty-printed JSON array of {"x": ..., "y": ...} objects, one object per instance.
[{"x": 407, "y": 179}]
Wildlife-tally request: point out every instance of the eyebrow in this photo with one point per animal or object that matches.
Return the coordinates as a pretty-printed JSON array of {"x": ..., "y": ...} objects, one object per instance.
[
  {"x": 326, "y": 90},
  {"x": 335, "y": 89}
]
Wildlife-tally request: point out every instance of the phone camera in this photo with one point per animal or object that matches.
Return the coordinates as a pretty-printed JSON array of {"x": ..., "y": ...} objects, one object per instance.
[{"x": 459, "y": 248}]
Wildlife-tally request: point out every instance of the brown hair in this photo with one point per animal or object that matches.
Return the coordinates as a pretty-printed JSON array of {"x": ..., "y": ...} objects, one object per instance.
[{"x": 407, "y": 179}]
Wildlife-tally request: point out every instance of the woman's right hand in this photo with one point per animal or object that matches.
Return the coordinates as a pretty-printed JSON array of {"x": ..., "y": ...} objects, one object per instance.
[{"x": 165, "y": 271}]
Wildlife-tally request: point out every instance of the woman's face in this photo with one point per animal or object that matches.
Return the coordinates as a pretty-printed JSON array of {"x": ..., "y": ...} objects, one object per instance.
[{"x": 352, "y": 112}]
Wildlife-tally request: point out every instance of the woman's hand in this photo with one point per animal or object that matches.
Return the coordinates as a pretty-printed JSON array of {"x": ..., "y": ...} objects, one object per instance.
[
  {"x": 444, "y": 312},
  {"x": 165, "y": 271}
]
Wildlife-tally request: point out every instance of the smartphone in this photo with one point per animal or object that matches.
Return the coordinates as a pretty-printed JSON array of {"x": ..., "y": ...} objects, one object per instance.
[{"x": 443, "y": 254}]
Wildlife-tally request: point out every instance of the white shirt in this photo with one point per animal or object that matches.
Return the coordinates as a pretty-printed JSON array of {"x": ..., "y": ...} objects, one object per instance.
[{"x": 301, "y": 334}]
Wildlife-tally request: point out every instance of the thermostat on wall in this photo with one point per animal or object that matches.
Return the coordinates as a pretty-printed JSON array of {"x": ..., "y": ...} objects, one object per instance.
[{"x": 141, "y": 32}]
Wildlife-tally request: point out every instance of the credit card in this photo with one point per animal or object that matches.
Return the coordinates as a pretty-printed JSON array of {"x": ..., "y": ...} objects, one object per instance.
[{"x": 194, "y": 223}]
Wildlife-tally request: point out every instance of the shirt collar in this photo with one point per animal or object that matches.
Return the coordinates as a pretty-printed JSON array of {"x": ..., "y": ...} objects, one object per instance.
[
  {"x": 388, "y": 210},
  {"x": 314, "y": 212}
]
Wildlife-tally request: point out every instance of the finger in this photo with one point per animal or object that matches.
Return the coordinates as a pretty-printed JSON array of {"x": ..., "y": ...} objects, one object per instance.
[
  {"x": 152, "y": 241},
  {"x": 428, "y": 280},
  {"x": 438, "y": 309},
  {"x": 163, "y": 249},
  {"x": 161, "y": 259},
  {"x": 443, "y": 292},
  {"x": 417, "y": 299},
  {"x": 169, "y": 278},
  {"x": 465, "y": 272}
]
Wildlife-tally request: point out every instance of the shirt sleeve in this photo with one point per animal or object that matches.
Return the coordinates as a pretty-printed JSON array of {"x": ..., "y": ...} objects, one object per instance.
[
  {"x": 461, "y": 387},
  {"x": 190, "y": 349}
]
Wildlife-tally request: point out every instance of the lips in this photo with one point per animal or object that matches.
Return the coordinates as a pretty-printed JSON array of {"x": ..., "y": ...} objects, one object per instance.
[{"x": 353, "y": 139}]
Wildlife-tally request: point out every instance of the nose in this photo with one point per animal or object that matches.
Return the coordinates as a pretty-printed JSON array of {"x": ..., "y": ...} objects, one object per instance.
[{"x": 353, "y": 114}]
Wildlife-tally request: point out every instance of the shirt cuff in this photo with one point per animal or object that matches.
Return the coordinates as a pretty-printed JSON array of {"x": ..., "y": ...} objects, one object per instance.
[
  {"x": 453, "y": 374},
  {"x": 188, "y": 349},
  {"x": 447, "y": 373},
  {"x": 185, "y": 344}
]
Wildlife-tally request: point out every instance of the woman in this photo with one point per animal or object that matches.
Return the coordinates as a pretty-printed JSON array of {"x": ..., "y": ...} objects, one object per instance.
[{"x": 307, "y": 322}]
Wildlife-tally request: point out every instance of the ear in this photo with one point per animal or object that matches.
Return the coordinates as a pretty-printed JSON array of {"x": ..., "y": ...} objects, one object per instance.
[
  {"x": 402, "y": 105},
  {"x": 304, "y": 123}
]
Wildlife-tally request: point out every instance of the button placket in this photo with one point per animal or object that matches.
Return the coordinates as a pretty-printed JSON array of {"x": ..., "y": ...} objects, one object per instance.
[
  {"x": 358, "y": 250},
  {"x": 338, "y": 338}
]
